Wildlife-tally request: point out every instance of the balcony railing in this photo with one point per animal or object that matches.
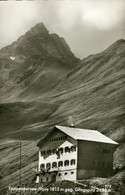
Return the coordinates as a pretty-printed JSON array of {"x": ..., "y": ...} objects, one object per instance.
[{"x": 43, "y": 171}]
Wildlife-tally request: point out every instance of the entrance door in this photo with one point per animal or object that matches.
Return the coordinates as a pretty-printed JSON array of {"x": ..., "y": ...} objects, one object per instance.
[{"x": 54, "y": 178}]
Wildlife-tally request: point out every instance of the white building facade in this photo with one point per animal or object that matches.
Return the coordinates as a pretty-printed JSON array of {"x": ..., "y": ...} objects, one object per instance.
[{"x": 59, "y": 154}]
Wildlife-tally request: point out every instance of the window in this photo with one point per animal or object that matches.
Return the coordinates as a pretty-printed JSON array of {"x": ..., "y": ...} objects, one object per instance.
[
  {"x": 98, "y": 149},
  {"x": 95, "y": 163},
  {"x": 106, "y": 150},
  {"x": 66, "y": 163},
  {"x": 59, "y": 174},
  {"x": 54, "y": 164},
  {"x": 47, "y": 179},
  {"x": 48, "y": 152},
  {"x": 73, "y": 148},
  {"x": 106, "y": 164},
  {"x": 60, "y": 163},
  {"x": 66, "y": 173},
  {"x": 103, "y": 164},
  {"x": 58, "y": 154},
  {"x": 54, "y": 151},
  {"x": 64, "y": 137},
  {"x": 43, "y": 153},
  {"x": 42, "y": 166},
  {"x": 99, "y": 164},
  {"x": 48, "y": 165},
  {"x": 109, "y": 165},
  {"x": 72, "y": 172},
  {"x": 67, "y": 149},
  {"x": 60, "y": 150},
  {"x": 72, "y": 162},
  {"x": 59, "y": 138}
]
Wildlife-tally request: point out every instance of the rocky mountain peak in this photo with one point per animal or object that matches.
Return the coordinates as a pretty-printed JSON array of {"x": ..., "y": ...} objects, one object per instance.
[
  {"x": 38, "y": 41},
  {"x": 38, "y": 31},
  {"x": 39, "y": 27},
  {"x": 36, "y": 57}
]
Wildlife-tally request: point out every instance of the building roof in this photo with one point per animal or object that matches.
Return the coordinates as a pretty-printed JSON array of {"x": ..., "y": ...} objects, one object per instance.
[{"x": 85, "y": 134}]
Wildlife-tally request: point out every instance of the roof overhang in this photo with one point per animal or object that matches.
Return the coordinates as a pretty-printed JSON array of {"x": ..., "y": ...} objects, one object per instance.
[{"x": 78, "y": 134}]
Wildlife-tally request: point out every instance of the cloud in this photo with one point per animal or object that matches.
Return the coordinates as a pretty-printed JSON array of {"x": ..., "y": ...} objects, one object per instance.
[
  {"x": 15, "y": 19},
  {"x": 105, "y": 15},
  {"x": 83, "y": 23}
]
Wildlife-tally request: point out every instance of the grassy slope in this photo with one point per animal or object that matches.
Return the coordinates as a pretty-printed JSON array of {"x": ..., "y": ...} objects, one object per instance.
[{"x": 16, "y": 118}]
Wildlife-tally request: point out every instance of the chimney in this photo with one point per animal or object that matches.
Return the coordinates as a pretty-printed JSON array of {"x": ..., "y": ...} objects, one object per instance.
[{"x": 70, "y": 121}]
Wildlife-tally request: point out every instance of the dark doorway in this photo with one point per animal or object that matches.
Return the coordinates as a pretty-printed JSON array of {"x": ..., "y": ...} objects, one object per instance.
[{"x": 54, "y": 178}]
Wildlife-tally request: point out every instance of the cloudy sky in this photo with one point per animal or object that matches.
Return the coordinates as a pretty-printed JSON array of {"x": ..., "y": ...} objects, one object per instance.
[{"x": 88, "y": 26}]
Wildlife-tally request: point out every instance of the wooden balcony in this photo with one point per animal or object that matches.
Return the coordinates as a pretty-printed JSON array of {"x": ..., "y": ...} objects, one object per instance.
[{"x": 55, "y": 169}]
